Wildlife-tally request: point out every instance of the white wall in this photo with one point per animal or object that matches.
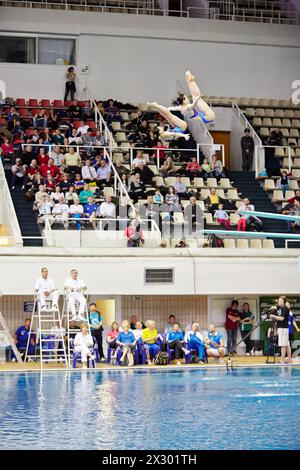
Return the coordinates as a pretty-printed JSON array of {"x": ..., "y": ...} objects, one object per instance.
[{"x": 141, "y": 58}]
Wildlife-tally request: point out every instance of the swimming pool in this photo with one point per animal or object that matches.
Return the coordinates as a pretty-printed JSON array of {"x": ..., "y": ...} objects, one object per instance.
[{"x": 248, "y": 408}]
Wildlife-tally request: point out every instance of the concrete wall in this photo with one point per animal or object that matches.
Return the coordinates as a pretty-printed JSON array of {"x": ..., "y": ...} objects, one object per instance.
[{"x": 141, "y": 58}]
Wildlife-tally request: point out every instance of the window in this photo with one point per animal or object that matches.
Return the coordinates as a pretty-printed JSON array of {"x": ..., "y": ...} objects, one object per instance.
[
  {"x": 20, "y": 50},
  {"x": 37, "y": 50},
  {"x": 56, "y": 51}
]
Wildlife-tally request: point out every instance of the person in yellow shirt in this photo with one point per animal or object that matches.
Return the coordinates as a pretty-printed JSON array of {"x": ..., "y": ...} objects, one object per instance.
[
  {"x": 213, "y": 200},
  {"x": 149, "y": 338}
]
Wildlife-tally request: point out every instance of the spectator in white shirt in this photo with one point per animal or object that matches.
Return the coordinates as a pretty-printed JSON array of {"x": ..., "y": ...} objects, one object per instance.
[
  {"x": 82, "y": 129},
  {"x": 83, "y": 344},
  {"x": 104, "y": 173},
  {"x": 55, "y": 195},
  {"x": 40, "y": 194},
  {"x": 107, "y": 210},
  {"x": 75, "y": 289},
  {"x": 45, "y": 208},
  {"x": 74, "y": 139},
  {"x": 45, "y": 290},
  {"x": 57, "y": 156},
  {"x": 76, "y": 212},
  {"x": 138, "y": 159},
  {"x": 195, "y": 340},
  {"x": 60, "y": 212},
  {"x": 88, "y": 172},
  {"x": 18, "y": 173}
]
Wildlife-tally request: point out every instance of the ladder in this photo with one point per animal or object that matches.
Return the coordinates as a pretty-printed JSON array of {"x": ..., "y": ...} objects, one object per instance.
[
  {"x": 50, "y": 334},
  {"x": 6, "y": 331},
  {"x": 72, "y": 327}
]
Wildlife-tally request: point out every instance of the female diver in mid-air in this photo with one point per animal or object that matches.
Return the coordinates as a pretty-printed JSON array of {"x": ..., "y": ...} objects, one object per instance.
[{"x": 198, "y": 109}]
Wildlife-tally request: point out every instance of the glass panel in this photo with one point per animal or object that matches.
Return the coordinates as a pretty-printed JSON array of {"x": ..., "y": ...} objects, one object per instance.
[
  {"x": 17, "y": 50},
  {"x": 56, "y": 51}
]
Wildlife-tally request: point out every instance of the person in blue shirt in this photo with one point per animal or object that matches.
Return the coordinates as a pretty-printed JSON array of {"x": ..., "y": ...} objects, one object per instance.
[
  {"x": 96, "y": 325},
  {"x": 214, "y": 343},
  {"x": 194, "y": 340},
  {"x": 175, "y": 340},
  {"x": 21, "y": 338},
  {"x": 292, "y": 324},
  {"x": 127, "y": 342},
  {"x": 90, "y": 210}
]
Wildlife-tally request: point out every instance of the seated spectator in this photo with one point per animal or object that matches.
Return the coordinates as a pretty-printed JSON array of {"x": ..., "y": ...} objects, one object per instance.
[
  {"x": 127, "y": 342},
  {"x": 172, "y": 200},
  {"x": 222, "y": 217},
  {"x": 170, "y": 325},
  {"x": 49, "y": 168},
  {"x": 72, "y": 161},
  {"x": 194, "y": 214},
  {"x": 53, "y": 120},
  {"x": 74, "y": 110},
  {"x": 181, "y": 189},
  {"x": 292, "y": 209},
  {"x": 104, "y": 174},
  {"x": 76, "y": 212},
  {"x": 150, "y": 337},
  {"x": 34, "y": 138},
  {"x": 112, "y": 112},
  {"x": 246, "y": 221},
  {"x": 146, "y": 174},
  {"x": 44, "y": 209},
  {"x": 99, "y": 139},
  {"x": 107, "y": 210},
  {"x": 214, "y": 343},
  {"x": 40, "y": 119},
  {"x": 57, "y": 156},
  {"x": 123, "y": 183},
  {"x": 137, "y": 333},
  {"x": 168, "y": 167},
  {"x": 86, "y": 111},
  {"x": 56, "y": 194},
  {"x": 7, "y": 149},
  {"x": 50, "y": 183},
  {"x": 34, "y": 184},
  {"x": 134, "y": 323},
  {"x": 22, "y": 335},
  {"x": 78, "y": 182},
  {"x": 283, "y": 183},
  {"x": 43, "y": 157},
  {"x": 65, "y": 182},
  {"x": 39, "y": 195},
  {"x": 175, "y": 340},
  {"x": 87, "y": 140},
  {"x": 158, "y": 197},
  {"x": 11, "y": 117},
  {"x": 206, "y": 169},
  {"x": 159, "y": 150},
  {"x": 60, "y": 212},
  {"x": 138, "y": 159},
  {"x": 213, "y": 201},
  {"x": 85, "y": 194},
  {"x": 18, "y": 173},
  {"x": 217, "y": 168},
  {"x": 137, "y": 188},
  {"x": 71, "y": 195},
  {"x": 193, "y": 169},
  {"x": 31, "y": 170},
  {"x": 73, "y": 139},
  {"x": 82, "y": 129},
  {"x": 275, "y": 137},
  {"x": 121, "y": 169},
  {"x": 28, "y": 155},
  {"x": 18, "y": 132},
  {"x": 90, "y": 211},
  {"x": 58, "y": 137},
  {"x": 134, "y": 234},
  {"x": 194, "y": 340},
  {"x": 111, "y": 337},
  {"x": 96, "y": 324},
  {"x": 83, "y": 343},
  {"x": 88, "y": 172}
]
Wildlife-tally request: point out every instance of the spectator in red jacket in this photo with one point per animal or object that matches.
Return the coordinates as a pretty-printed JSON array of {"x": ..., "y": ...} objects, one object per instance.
[
  {"x": 49, "y": 167},
  {"x": 7, "y": 148},
  {"x": 231, "y": 325},
  {"x": 43, "y": 158}
]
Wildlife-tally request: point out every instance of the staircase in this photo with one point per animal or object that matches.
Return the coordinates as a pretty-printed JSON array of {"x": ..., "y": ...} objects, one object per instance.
[
  {"x": 26, "y": 217},
  {"x": 249, "y": 187}
]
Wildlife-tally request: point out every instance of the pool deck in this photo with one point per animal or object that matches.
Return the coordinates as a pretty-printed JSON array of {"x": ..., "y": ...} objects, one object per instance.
[{"x": 239, "y": 361}]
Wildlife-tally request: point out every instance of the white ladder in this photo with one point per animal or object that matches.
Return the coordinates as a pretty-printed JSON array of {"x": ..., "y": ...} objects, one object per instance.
[
  {"x": 72, "y": 331},
  {"x": 44, "y": 320},
  {"x": 10, "y": 338}
]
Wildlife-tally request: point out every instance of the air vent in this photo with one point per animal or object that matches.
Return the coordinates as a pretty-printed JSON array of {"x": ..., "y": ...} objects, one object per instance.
[{"x": 159, "y": 276}]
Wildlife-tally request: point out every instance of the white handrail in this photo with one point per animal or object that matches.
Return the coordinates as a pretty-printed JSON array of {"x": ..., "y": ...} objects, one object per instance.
[
  {"x": 102, "y": 126},
  {"x": 247, "y": 123},
  {"x": 12, "y": 219}
]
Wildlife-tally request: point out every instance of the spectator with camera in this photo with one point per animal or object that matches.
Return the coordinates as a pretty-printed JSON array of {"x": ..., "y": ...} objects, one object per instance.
[{"x": 282, "y": 319}]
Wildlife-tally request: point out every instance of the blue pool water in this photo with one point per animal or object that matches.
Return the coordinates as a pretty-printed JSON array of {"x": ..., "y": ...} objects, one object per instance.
[{"x": 249, "y": 408}]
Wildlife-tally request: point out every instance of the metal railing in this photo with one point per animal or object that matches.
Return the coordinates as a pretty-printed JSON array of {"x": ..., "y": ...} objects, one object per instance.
[
  {"x": 102, "y": 126},
  {"x": 230, "y": 12}
]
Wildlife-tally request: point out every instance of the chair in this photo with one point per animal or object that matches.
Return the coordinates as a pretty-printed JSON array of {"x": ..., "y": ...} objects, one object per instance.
[
  {"x": 279, "y": 152},
  {"x": 279, "y": 113},
  {"x": 220, "y": 193},
  {"x": 257, "y": 122},
  {"x": 233, "y": 194},
  {"x": 58, "y": 104},
  {"x": 296, "y": 123},
  {"x": 264, "y": 131},
  {"x": 268, "y": 244},
  {"x": 212, "y": 183},
  {"x": 278, "y": 195},
  {"x": 170, "y": 180},
  {"x": 20, "y": 102},
  {"x": 277, "y": 122},
  {"x": 260, "y": 112},
  {"x": 294, "y": 133},
  {"x": 242, "y": 244},
  {"x": 208, "y": 217},
  {"x": 199, "y": 183},
  {"x": 289, "y": 113},
  {"x": 121, "y": 137},
  {"x": 255, "y": 244},
  {"x": 234, "y": 218},
  {"x": 24, "y": 112},
  {"x": 225, "y": 183},
  {"x": 269, "y": 185},
  {"x": 267, "y": 122},
  {"x": 159, "y": 181},
  {"x": 46, "y": 103},
  {"x": 286, "y": 122},
  {"x": 33, "y": 103},
  {"x": 229, "y": 243},
  {"x": 116, "y": 125},
  {"x": 124, "y": 115}
]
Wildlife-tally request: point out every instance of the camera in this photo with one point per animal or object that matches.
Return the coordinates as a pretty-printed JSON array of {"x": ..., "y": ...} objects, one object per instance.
[{"x": 267, "y": 312}]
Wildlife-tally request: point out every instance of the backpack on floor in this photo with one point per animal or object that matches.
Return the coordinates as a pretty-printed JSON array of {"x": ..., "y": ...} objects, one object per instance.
[{"x": 161, "y": 358}]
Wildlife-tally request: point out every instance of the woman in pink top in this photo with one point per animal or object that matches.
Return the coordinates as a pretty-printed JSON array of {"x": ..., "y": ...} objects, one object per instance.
[
  {"x": 112, "y": 335},
  {"x": 134, "y": 234}
]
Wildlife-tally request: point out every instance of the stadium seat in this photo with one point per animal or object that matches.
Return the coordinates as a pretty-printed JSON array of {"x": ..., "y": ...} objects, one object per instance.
[
  {"x": 267, "y": 122},
  {"x": 268, "y": 244},
  {"x": 24, "y": 112},
  {"x": 260, "y": 112},
  {"x": 269, "y": 185},
  {"x": 234, "y": 218},
  {"x": 277, "y": 122},
  {"x": 257, "y": 122},
  {"x": 58, "y": 104},
  {"x": 20, "y": 102},
  {"x": 33, "y": 103},
  {"x": 225, "y": 183},
  {"x": 45, "y": 103},
  {"x": 255, "y": 244},
  {"x": 242, "y": 243},
  {"x": 199, "y": 183},
  {"x": 116, "y": 125},
  {"x": 229, "y": 243},
  {"x": 279, "y": 152},
  {"x": 212, "y": 183},
  {"x": 170, "y": 180}
]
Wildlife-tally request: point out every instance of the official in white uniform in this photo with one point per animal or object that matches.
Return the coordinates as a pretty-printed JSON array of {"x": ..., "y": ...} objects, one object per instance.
[
  {"x": 45, "y": 290},
  {"x": 83, "y": 343},
  {"x": 75, "y": 289}
]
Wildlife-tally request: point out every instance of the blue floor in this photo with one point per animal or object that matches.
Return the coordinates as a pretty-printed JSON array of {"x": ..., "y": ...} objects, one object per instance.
[{"x": 248, "y": 408}]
